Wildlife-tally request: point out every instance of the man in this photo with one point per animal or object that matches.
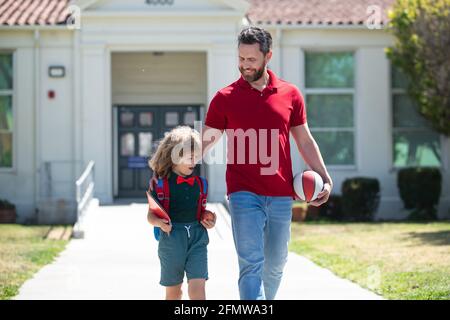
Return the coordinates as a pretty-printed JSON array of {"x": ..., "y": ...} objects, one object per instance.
[
  {"x": 260, "y": 204},
  {"x": 264, "y": 109}
]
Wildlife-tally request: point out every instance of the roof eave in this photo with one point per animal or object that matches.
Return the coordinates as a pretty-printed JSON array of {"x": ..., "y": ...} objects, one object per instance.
[
  {"x": 56, "y": 27},
  {"x": 312, "y": 26}
]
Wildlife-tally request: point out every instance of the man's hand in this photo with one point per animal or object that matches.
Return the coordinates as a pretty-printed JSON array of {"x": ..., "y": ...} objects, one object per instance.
[{"x": 323, "y": 196}]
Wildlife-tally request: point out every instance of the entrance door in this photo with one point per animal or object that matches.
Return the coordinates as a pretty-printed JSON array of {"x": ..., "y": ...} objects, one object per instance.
[{"x": 140, "y": 128}]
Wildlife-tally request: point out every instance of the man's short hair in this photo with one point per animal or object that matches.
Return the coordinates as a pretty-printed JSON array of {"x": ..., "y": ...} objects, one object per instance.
[{"x": 252, "y": 34}]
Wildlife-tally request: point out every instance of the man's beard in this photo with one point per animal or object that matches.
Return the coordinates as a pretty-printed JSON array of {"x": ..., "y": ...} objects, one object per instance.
[{"x": 256, "y": 76}]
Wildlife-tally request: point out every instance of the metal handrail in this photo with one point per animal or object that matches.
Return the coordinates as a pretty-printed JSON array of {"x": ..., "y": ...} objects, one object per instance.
[{"x": 83, "y": 197}]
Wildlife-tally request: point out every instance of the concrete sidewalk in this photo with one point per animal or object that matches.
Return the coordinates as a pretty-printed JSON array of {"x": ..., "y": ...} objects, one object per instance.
[{"x": 118, "y": 259}]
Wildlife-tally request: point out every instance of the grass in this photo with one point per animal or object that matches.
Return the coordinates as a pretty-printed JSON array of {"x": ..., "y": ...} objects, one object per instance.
[
  {"x": 395, "y": 260},
  {"x": 23, "y": 251}
]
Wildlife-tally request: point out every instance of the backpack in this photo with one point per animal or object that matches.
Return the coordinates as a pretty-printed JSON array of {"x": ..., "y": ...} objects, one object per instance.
[{"x": 163, "y": 194}]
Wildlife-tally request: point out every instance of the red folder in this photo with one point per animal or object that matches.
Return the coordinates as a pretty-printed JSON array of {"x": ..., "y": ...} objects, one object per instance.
[{"x": 156, "y": 208}]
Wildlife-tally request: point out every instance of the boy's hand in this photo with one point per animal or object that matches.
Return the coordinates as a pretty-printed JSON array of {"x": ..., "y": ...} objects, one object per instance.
[
  {"x": 210, "y": 223},
  {"x": 164, "y": 225}
]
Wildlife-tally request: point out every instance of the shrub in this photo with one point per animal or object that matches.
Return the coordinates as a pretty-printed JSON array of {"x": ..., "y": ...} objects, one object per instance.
[
  {"x": 360, "y": 198},
  {"x": 5, "y": 204},
  {"x": 332, "y": 209},
  {"x": 420, "y": 190}
]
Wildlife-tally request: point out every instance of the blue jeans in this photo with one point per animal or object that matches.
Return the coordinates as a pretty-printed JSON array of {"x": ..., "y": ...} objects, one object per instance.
[{"x": 261, "y": 231}]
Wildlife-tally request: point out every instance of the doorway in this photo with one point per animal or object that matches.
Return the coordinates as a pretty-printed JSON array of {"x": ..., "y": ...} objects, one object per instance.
[{"x": 139, "y": 130}]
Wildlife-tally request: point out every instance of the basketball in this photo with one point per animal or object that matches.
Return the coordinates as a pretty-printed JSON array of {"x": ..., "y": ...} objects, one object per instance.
[
  {"x": 307, "y": 185},
  {"x": 208, "y": 215}
]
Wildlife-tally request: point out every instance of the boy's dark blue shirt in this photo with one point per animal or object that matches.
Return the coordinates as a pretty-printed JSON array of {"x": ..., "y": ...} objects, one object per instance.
[{"x": 183, "y": 199}]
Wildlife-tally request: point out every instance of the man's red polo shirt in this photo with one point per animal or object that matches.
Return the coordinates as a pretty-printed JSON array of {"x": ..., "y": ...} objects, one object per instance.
[{"x": 239, "y": 106}]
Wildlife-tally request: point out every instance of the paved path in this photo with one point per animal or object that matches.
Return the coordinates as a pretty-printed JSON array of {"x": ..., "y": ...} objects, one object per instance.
[{"x": 118, "y": 259}]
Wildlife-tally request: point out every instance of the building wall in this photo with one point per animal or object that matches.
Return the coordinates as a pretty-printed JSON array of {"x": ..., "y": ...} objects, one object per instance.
[
  {"x": 43, "y": 131},
  {"x": 76, "y": 126},
  {"x": 373, "y": 115}
]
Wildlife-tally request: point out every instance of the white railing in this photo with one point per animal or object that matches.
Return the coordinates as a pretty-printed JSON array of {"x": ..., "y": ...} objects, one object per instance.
[{"x": 84, "y": 193}]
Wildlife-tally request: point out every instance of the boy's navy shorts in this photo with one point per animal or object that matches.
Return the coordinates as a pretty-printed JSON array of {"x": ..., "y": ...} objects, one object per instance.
[{"x": 183, "y": 250}]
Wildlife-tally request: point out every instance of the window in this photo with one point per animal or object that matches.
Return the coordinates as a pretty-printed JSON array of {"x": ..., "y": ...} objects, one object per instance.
[
  {"x": 6, "y": 110},
  {"x": 329, "y": 90},
  {"x": 415, "y": 143}
]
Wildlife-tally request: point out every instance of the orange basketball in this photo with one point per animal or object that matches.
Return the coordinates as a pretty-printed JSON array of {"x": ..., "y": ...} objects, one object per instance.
[{"x": 208, "y": 215}]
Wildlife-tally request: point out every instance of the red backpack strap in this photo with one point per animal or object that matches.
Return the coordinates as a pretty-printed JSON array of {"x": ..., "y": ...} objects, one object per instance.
[
  {"x": 163, "y": 193},
  {"x": 203, "y": 184}
]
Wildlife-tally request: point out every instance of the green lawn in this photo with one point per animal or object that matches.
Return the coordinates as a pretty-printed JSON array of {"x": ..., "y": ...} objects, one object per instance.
[
  {"x": 395, "y": 260},
  {"x": 23, "y": 251}
]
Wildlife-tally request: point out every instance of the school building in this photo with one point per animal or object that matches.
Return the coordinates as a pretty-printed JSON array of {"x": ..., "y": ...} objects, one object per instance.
[{"x": 102, "y": 80}]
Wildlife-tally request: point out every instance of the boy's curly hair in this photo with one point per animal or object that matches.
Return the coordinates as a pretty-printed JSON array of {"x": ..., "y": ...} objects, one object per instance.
[{"x": 170, "y": 149}]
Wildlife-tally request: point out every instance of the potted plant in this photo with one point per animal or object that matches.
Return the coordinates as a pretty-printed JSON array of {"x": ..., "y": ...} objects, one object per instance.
[
  {"x": 7, "y": 212},
  {"x": 299, "y": 209}
]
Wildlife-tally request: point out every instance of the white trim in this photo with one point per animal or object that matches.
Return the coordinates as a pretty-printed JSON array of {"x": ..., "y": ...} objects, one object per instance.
[
  {"x": 35, "y": 27},
  {"x": 115, "y": 157},
  {"x": 341, "y": 167},
  {"x": 238, "y": 5},
  {"x": 13, "y": 93},
  {"x": 76, "y": 106},
  {"x": 84, "y": 4},
  {"x": 333, "y": 129},
  {"x": 125, "y": 14},
  {"x": 314, "y": 26},
  {"x": 159, "y": 14},
  {"x": 155, "y": 47},
  {"x": 330, "y": 49},
  {"x": 356, "y": 110},
  {"x": 37, "y": 115},
  {"x": 108, "y": 126},
  {"x": 343, "y": 91}
]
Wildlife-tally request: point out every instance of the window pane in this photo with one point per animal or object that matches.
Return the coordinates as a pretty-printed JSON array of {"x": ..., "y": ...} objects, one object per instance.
[
  {"x": 6, "y": 115},
  {"x": 189, "y": 118},
  {"x": 126, "y": 119},
  {"x": 331, "y": 110},
  {"x": 145, "y": 144},
  {"x": 406, "y": 113},
  {"x": 417, "y": 148},
  {"x": 127, "y": 144},
  {"x": 145, "y": 119},
  {"x": 398, "y": 78},
  {"x": 336, "y": 147},
  {"x": 5, "y": 150},
  {"x": 329, "y": 70},
  {"x": 5, "y": 71},
  {"x": 172, "y": 118}
]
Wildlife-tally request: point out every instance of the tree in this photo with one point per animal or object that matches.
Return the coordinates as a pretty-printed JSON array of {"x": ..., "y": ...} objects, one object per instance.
[{"x": 422, "y": 52}]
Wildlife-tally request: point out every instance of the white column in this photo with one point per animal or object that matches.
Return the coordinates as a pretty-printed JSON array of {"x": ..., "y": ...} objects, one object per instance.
[
  {"x": 222, "y": 71},
  {"x": 293, "y": 71},
  {"x": 373, "y": 136},
  {"x": 96, "y": 118}
]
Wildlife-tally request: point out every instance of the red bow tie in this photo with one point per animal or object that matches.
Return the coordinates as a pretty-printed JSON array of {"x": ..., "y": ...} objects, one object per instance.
[{"x": 190, "y": 180}]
